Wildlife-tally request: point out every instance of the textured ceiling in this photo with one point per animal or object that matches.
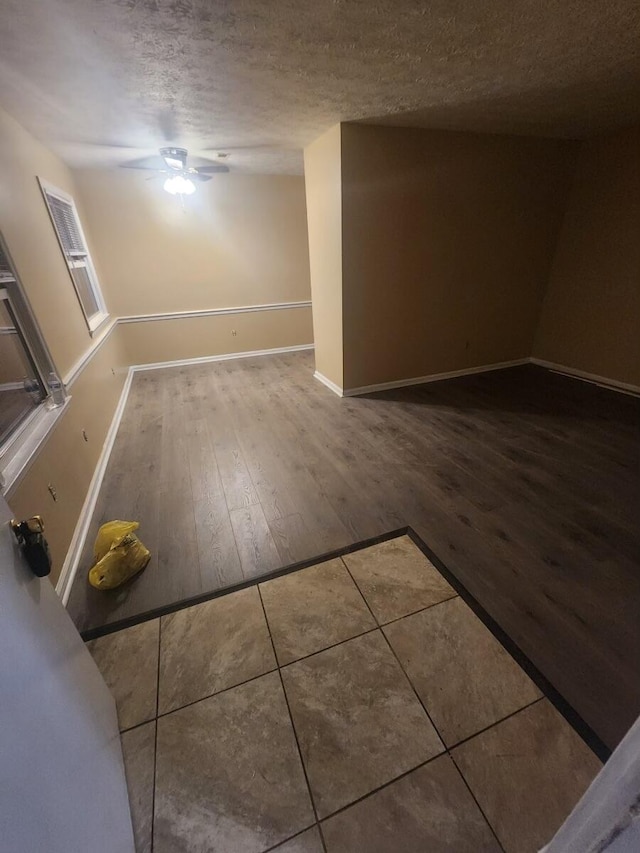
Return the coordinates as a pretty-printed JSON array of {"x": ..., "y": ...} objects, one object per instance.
[{"x": 106, "y": 81}]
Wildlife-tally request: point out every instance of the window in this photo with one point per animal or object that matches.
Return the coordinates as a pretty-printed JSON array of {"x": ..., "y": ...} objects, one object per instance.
[
  {"x": 25, "y": 368},
  {"x": 66, "y": 223},
  {"x": 21, "y": 388}
]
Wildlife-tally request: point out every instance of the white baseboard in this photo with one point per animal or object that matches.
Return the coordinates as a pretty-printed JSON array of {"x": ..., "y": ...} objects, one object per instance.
[
  {"x": 433, "y": 377},
  {"x": 72, "y": 560},
  {"x": 205, "y": 359},
  {"x": 603, "y": 381},
  {"x": 331, "y": 385}
]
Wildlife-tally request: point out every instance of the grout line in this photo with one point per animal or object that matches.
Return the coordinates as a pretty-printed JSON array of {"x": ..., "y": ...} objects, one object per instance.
[
  {"x": 473, "y": 797},
  {"x": 322, "y": 838},
  {"x": 419, "y": 610},
  {"x": 137, "y": 725},
  {"x": 155, "y": 742},
  {"x": 386, "y": 784},
  {"x": 217, "y": 693},
  {"x": 404, "y": 615},
  {"x": 424, "y": 707},
  {"x": 415, "y": 692},
  {"x": 293, "y": 725},
  {"x": 158, "y": 666},
  {"x": 354, "y": 582},
  {"x": 327, "y": 648},
  {"x": 428, "y": 715},
  {"x": 400, "y": 664},
  {"x": 292, "y": 838},
  {"x": 496, "y": 723}
]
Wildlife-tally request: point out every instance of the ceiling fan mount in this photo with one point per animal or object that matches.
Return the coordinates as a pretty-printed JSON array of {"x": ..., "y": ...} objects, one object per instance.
[{"x": 175, "y": 158}]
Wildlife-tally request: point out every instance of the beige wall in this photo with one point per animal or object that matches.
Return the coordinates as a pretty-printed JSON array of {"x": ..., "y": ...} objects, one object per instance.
[
  {"x": 323, "y": 177},
  {"x": 240, "y": 240},
  {"x": 32, "y": 243},
  {"x": 590, "y": 320},
  {"x": 65, "y": 460},
  {"x": 448, "y": 240},
  {"x": 196, "y": 337}
]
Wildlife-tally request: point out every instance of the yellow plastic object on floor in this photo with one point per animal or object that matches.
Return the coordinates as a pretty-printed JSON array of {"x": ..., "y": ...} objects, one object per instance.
[{"x": 118, "y": 555}]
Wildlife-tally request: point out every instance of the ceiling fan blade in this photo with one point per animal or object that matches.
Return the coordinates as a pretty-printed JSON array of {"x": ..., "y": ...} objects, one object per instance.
[
  {"x": 146, "y": 168},
  {"x": 196, "y": 176},
  {"x": 150, "y": 162},
  {"x": 214, "y": 167}
]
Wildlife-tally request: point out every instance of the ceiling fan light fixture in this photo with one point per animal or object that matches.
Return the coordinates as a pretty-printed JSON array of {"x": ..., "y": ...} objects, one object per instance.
[
  {"x": 179, "y": 177},
  {"x": 179, "y": 185}
]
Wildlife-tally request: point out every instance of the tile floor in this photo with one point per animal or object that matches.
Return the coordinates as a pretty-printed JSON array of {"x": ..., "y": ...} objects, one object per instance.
[{"x": 356, "y": 706}]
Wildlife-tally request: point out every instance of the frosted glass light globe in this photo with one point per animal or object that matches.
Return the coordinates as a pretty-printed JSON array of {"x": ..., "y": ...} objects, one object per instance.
[{"x": 179, "y": 185}]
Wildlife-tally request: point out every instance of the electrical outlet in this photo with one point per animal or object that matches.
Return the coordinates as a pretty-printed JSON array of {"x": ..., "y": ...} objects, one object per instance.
[{"x": 233, "y": 333}]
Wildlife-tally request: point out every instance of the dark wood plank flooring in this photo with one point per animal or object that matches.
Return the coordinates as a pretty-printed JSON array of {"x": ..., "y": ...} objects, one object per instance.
[{"x": 524, "y": 482}]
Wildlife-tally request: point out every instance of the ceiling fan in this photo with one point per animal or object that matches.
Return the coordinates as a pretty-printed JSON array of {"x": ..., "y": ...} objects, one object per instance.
[{"x": 180, "y": 177}]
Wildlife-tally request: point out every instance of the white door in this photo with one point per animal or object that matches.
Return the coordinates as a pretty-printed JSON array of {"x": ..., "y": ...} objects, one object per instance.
[
  {"x": 607, "y": 818},
  {"x": 62, "y": 785}
]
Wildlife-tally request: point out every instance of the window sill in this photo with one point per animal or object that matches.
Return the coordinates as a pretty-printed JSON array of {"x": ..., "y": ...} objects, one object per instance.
[
  {"x": 97, "y": 322},
  {"x": 23, "y": 448}
]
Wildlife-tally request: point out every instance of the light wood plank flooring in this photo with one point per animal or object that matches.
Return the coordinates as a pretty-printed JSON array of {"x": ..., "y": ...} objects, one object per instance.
[{"x": 524, "y": 482}]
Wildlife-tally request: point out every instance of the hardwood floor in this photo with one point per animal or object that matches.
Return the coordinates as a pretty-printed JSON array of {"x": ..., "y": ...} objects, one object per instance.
[{"x": 524, "y": 482}]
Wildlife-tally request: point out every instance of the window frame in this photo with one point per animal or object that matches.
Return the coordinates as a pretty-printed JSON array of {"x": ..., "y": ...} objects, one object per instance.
[
  {"x": 12, "y": 309},
  {"x": 23, "y": 443},
  {"x": 77, "y": 260}
]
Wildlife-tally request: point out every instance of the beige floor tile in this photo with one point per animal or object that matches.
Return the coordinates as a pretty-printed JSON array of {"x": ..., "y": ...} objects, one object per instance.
[
  {"x": 306, "y": 842},
  {"x": 228, "y": 773},
  {"x": 396, "y": 578},
  {"x": 138, "y": 752},
  {"x": 463, "y": 675},
  {"x": 314, "y": 608},
  {"x": 527, "y": 773},
  {"x": 429, "y": 809},
  {"x": 212, "y": 646},
  {"x": 128, "y": 661},
  {"x": 358, "y": 721}
]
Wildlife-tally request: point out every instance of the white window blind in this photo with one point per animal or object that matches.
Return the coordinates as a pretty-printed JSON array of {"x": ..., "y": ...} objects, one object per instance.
[
  {"x": 64, "y": 219},
  {"x": 66, "y": 223}
]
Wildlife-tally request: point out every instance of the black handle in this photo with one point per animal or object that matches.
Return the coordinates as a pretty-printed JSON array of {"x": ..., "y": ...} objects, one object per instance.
[{"x": 33, "y": 544}]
